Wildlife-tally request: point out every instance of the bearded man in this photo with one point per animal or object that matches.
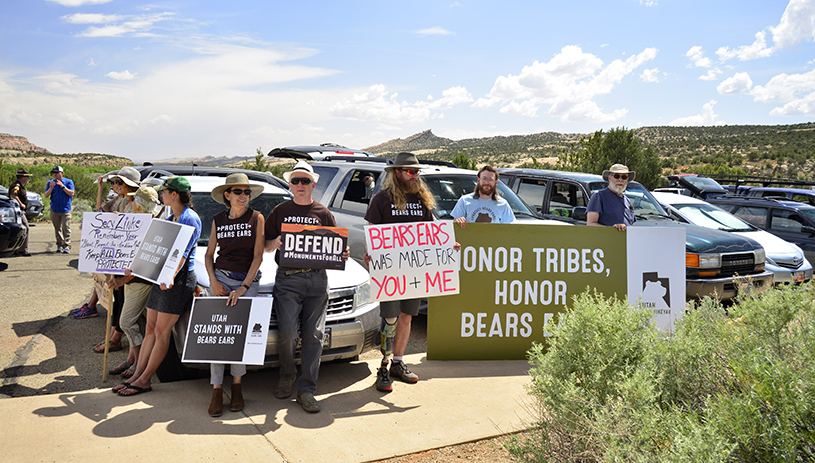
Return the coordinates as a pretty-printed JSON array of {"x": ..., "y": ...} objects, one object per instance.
[
  {"x": 609, "y": 206},
  {"x": 403, "y": 198},
  {"x": 484, "y": 204}
]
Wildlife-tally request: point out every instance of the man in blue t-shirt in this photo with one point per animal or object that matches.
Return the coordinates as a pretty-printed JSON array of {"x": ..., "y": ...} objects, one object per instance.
[
  {"x": 609, "y": 206},
  {"x": 61, "y": 191},
  {"x": 484, "y": 204}
]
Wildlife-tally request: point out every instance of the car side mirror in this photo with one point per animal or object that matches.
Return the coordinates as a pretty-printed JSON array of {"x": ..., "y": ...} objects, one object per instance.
[
  {"x": 808, "y": 229},
  {"x": 579, "y": 213}
]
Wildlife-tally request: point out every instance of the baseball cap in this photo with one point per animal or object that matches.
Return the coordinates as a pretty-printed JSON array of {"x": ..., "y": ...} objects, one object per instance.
[{"x": 179, "y": 184}]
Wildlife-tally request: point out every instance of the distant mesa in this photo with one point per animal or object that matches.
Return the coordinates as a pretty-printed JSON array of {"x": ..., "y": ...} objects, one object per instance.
[{"x": 14, "y": 142}]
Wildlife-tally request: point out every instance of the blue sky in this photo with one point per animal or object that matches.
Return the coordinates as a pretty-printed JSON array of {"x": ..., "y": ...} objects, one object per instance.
[{"x": 183, "y": 78}]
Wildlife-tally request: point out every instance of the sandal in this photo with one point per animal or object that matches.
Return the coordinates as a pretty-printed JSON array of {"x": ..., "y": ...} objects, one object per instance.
[
  {"x": 120, "y": 387},
  {"x": 120, "y": 369},
  {"x": 112, "y": 347},
  {"x": 130, "y": 371}
]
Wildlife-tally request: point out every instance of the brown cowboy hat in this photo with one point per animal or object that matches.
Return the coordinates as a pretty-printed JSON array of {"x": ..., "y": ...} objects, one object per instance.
[
  {"x": 405, "y": 159},
  {"x": 23, "y": 172}
]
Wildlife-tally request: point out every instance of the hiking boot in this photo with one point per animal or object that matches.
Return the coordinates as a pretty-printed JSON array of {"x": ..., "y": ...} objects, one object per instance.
[
  {"x": 383, "y": 383},
  {"x": 236, "y": 404},
  {"x": 400, "y": 370},
  {"x": 284, "y": 386},
  {"x": 309, "y": 403},
  {"x": 86, "y": 312},
  {"x": 217, "y": 402}
]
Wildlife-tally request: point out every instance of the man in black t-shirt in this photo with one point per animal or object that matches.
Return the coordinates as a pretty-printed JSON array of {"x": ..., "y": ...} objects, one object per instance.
[{"x": 404, "y": 198}]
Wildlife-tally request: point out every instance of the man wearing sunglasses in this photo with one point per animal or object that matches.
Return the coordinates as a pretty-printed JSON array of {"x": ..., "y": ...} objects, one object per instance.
[
  {"x": 61, "y": 191},
  {"x": 609, "y": 206}
]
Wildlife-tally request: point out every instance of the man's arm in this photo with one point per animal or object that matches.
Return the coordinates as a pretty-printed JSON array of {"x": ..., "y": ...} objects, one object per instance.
[{"x": 593, "y": 218}]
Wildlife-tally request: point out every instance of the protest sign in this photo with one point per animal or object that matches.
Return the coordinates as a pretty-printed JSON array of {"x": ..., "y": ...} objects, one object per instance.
[
  {"x": 218, "y": 333},
  {"x": 161, "y": 251},
  {"x": 517, "y": 278},
  {"x": 309, "y": 246},
  {"x": 412, "y": 260},
  {"x": 110, "y": 240},
  {"x": 100, "y": 285}
]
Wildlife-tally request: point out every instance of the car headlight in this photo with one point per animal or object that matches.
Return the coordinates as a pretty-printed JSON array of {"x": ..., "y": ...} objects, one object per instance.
[
  {"x": 8, "y": 215},
  {"x": 761, "y": 256},
  {"x": 362, "y": 294},
  {"x": 704, "y": 260}
]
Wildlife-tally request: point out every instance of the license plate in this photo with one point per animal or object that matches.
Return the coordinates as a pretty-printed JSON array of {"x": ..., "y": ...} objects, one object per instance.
[
  {"x": 798, "y": 277},
  {"x": 326, "y": 339}
]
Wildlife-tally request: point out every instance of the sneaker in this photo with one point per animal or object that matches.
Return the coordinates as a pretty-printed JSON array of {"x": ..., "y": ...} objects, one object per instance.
[
  {"x": 66, "y": 250},
  {"x": 284, "y": 386},
  {"x": 383, "y": 383},
  {"x": 84, "y": 307},
  {"x": 59, "y": 249},
  {"x": 309, "y": 403},
  {"x": 86, "y": 312},
  {"x": 400, "y": 370}
]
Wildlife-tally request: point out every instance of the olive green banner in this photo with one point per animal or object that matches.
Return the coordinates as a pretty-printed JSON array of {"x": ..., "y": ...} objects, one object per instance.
[{"x": 514, "y": 278}]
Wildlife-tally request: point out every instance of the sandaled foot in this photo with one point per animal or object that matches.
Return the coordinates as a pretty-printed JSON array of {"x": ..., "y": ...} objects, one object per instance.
[
  {"x": 112, "y": 347},
  {"x": 120, "y": 369},
  {"x": 134, "y": 390},
  {"x": 130, "y": 371},
  {"x": 120, "y": 387}
]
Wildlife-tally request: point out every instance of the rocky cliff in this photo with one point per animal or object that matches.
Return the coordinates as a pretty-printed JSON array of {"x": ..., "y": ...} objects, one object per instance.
[{"x": 14, "y": 142}]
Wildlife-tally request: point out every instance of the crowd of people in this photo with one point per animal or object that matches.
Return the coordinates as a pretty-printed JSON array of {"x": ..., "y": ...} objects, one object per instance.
[{"x": 300, "y": 295}]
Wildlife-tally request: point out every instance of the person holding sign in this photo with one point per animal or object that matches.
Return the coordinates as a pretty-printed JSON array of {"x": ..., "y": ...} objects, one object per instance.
[
  {"x": 609, "y": 206},
  {"x": 238, "y": 233},
  {"x": 484, "y": 205},
  {"x": 166, "y": 303},
  {"x": 404, "y": 198},
  {"x": 299, "y": 291}
]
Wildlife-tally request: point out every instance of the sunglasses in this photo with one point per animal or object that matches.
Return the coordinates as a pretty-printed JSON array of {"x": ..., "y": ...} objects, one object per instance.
[
  {"x": 621, "y": 176},
  {"x": 117, "y": 182},
  {"x": 300, "y": 180},
  {"x": 238, "y": 191},
  {"x": 411, "y": 172}
]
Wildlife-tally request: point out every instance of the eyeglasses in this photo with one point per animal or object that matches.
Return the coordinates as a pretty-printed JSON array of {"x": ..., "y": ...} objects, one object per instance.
[
  {"x": 117, "y": 182},
  {"x": 238, "y": 191},
  {"x": 300, "y": 180},
  {"x": 411, "y": 172},
  {"x": 621, "y": 176}
]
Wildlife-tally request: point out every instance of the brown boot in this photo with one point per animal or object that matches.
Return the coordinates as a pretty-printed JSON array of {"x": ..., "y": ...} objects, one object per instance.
[
  {"x": 217, "y": 402},
  {"x": 236, "y": 404}
]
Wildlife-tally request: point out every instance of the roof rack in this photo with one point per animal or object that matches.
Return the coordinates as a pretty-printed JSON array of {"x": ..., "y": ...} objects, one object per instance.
[{"x": 739, "y": 180}]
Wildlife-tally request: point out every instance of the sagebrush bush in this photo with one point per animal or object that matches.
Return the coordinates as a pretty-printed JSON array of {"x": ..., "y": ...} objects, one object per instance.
[{"x": 733, "y": 384}]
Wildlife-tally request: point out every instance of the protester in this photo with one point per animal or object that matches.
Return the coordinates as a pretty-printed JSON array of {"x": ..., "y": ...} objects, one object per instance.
[
  {"x": 299, "y": 292},
  {"x": 166, "y": 303},
  {"x": 238, "y": 233},
  {"x": 369, "y": 187},
  {"x": 609, "y": 206},
  {"x": 61, "y": 191},
  {"x": 17, "y": 192},
  {"x": 484, "y": 204},
  {"x": 403, "y": 198}
]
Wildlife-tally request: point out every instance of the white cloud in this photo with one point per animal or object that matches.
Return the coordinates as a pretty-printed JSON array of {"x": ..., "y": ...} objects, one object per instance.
[
  {"x": 80, "y": 2},
  {"x": 648, "y": 2},
  {"x": 455, "y": 5},
  {"x": 121, "y": 75},
  {"x": 650, "y": 76},
  {"x": 377, "y": 105},
  {"x": 90, "y": 18},
  {"x": 698, "y": 58},
  {"x": 712, "y": 74},
  {"x": 434, "y": 31},
  {"x": 707, "y": 117},
  {"x": 801, "y": 107},
  {"x": 567, "y": 84},
  {"x": 739, "y": 84},
  {"x": 758, "y": 49},
  {"x": 73, "y": 118},
  {"x": 786, "y": 89},
  {"x": 117, "y": 26},
  {"x": 797, "y": 24}
]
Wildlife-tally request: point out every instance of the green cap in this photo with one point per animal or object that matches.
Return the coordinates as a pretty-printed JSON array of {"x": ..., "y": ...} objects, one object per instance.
[{"x": 179, "y": 184}]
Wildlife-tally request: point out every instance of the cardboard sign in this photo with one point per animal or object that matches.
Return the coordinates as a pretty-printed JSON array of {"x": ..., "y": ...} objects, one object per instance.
[
  {"x": 161, "y": 251},
  {"x": 100, "y": 284},
  {"x": 309, "y": 246},
  {"x": 412, "y": 260},
  {"x": 517, "y": 278},
  {"x": 218, "y": 333},
  {"x": 110, "y": 240}
]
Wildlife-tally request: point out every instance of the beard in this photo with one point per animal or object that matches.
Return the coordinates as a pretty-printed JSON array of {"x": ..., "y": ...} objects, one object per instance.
[
  {"x": 617, "y": 189},
  {"x": 486, "y": 189},
  {"x": 412, "y": 185}
]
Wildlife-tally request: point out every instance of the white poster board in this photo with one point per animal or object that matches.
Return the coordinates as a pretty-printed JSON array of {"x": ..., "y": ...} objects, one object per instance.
[
  {"x": 110, "y": 240},
  {"x": 218, "y": 333},
  {"x": 161, "y": 251},
  {"x": 412, "y": 260}
]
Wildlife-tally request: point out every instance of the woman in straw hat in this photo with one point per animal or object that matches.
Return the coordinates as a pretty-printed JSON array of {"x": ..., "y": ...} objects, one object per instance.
[{"x": 238, "y": 233}]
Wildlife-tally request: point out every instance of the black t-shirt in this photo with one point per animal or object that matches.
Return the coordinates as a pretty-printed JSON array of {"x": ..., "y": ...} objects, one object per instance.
[
  {"x": 314, "y": 214},
  {"x": 382, "y": 211}
]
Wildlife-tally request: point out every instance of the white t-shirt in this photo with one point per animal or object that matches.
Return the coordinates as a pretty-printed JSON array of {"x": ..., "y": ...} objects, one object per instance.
[{"x": 483, "y": 210}]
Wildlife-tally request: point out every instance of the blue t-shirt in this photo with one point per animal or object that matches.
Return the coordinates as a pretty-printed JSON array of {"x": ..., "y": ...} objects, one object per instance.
[
  {"x": 483, "y": 210},
  {"x": 191, "y": 218},
  {"x": 612, "y": 208},
  {"x": 60, "y": 201}
]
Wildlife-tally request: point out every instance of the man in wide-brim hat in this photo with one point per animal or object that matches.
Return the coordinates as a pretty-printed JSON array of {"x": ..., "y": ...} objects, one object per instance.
[
  {"x": 609, "y": 206},
  {"x": 17, "y": 192}
]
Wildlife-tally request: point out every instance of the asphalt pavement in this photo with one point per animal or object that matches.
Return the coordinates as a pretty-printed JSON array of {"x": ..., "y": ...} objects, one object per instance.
[{"x": 56, "y": 407}]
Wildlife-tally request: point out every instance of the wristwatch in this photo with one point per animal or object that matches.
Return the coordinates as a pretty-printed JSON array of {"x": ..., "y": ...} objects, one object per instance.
[{"x": 244, "y": 285}]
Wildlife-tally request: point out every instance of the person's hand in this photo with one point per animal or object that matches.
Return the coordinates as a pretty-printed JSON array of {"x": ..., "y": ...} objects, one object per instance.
[
  {"x": 366, "y": 258},
  {"x": 347, "y": 253},
  {"x": 234, "y": 295},
  {"x": 219, "y": 289},
  {"x": 165, "y": 286},
  {"x": 619, "y": 226},
  {"x": 115, "y": 283},
  {"x": 100, "y": 181},
  {"x": 128, "y": 272},
  {"x": 461, "y": 221},
  {"x": 59, "y": 182},
  {"x": 457, "y": 247}
]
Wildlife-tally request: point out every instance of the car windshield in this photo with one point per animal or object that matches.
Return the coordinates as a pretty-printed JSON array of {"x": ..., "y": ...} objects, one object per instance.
[
  {"x": 326, "y": 175},
  {"x": 809, "y": 213},
  {"x": 701, "y": 182},
  {"x": 643, "y": 203},
  {"x": 206, "y": 207},
  {"x": 710, "y": 216},
  {"x": 447, "y": 189}
]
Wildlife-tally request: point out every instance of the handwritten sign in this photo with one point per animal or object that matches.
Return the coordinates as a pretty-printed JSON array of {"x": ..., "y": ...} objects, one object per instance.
[
  {"x": 161, "y": 251},
  {"x": 110, "y": 240},
  {"x": 218, "y": 333},
  {"x": 308, "y": 246},
  {"x": 412, "y": 260}
]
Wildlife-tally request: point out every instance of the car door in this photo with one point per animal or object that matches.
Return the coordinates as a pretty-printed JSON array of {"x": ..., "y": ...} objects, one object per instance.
[
  {"x": 533, "y": 192},
  {"x": 788, "y": 225}
]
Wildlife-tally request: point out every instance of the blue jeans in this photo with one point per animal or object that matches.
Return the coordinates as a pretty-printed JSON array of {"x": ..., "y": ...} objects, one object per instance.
[
  {"x": 216, "y": 370},
  {"x": 306, "y": 294}
]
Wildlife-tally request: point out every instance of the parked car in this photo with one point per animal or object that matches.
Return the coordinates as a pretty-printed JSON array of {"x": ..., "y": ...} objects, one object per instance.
[
  {"x": 150, "y": 171},
  {"x": 317, "y": 152},
  {"x": 785, "y": 260},
  {"x": 12, "y": 231},
  {"x": 35, "y": 206},
  {"x": 789, "y": 220},
  {"x": 718, "y": 263},
  {"x": 697, "y": 186},
  {"x": 791, "y": 194},
  {"x": 352, "y": 323}
]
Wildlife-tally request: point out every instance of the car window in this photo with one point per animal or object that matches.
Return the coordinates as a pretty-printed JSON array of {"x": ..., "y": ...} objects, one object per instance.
[
  {"x": 788, "y": 221},
  {"x": 326, "y": 175},
  {"x": 751, "y": 214},
  {"x": 206, "y": 207},
  {"x": 532, "y": 192},
  {"x": 447, "y": 189},
  {"x": 565, "y": 197},
  {"x": 356, "y": 196},
  {"x": 806, "y": 199},
  {"x": 642, "y": 201},
  {"x": 709, "y": 216}
]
